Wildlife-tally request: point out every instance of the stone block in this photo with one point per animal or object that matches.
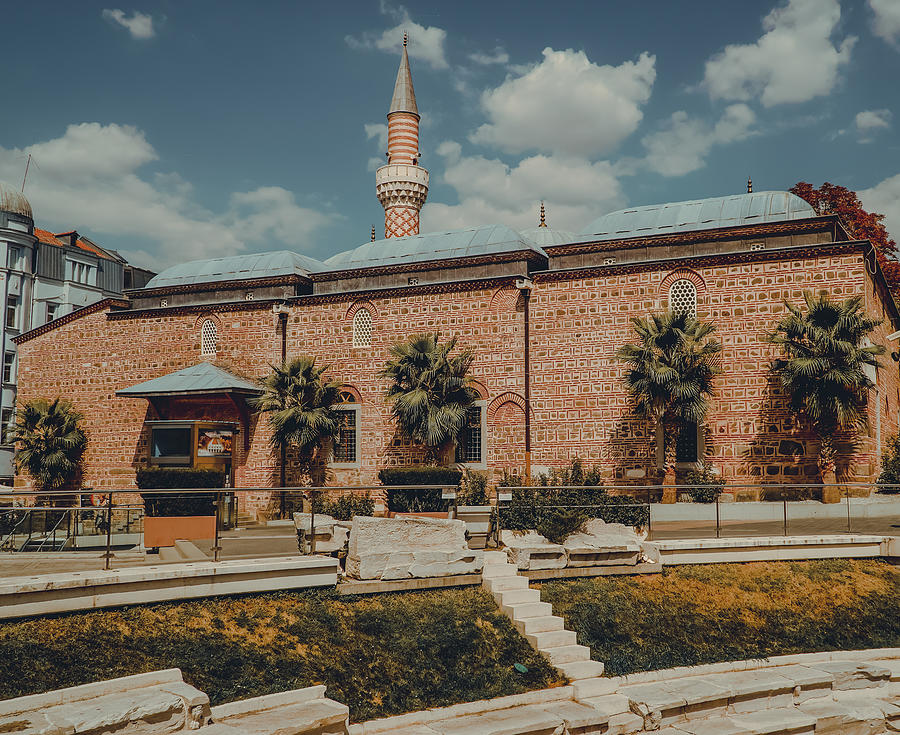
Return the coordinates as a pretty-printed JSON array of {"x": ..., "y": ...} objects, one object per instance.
[
  {"x": 409, "y": 547},
  {"x": 855, "y": 674},
  {"x": 330, "y": 535},
  {"x": 530, "y": 550}
]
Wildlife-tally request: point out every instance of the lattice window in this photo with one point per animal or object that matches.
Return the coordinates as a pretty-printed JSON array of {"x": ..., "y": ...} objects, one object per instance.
[
  {"x": 346, "y": 443},
  {"x": 362, "y": 328},
  {"x": 209, "y": 337},
  {"x": 470, "y": 442},
  {"x": 754, "y": 246},
  {"x": 687, "y": 445},
  {"x": 683, "y": 298}
]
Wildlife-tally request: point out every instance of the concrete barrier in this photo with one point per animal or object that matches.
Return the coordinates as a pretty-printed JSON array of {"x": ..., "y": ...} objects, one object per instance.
[
  {"x": 770, "y": 548},
  {"x": 67, "y": 592}
]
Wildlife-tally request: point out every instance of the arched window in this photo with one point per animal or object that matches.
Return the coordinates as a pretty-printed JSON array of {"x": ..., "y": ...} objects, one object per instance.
[
  {"x": 683, "y": 297},
  {"x": 362, "y": 328},
  {"x": 346, "y": 443},
  {"x": 209, "y": 337}
]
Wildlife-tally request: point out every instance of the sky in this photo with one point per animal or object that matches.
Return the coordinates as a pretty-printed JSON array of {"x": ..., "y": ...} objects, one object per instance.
[{"x": 174, "y": 130}]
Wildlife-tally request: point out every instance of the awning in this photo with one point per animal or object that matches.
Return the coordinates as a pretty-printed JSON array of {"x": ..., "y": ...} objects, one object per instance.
[{"x": 201, "y": 379}]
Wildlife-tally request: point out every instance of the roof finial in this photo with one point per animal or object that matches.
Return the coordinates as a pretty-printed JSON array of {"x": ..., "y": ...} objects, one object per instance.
[
  {"x": 373, "y": 233},
  {"x": 749, "y": 185},
  {"x": 405, "y": 38},
  {"x": 543, "y": 216}
]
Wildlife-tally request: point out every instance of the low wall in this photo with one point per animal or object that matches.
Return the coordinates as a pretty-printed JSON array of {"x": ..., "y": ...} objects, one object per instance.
[
  {"x": 772, "y": 548},
  {"x": 67, "y": 592},
  {"x": 763, "y": 510}
]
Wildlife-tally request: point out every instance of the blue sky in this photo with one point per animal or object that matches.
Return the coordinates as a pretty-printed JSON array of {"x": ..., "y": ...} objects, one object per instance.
[{"x": 180, "y": 130}]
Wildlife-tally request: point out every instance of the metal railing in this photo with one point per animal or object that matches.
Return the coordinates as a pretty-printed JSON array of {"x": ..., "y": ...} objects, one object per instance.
[{"x": 39, "y": 528}]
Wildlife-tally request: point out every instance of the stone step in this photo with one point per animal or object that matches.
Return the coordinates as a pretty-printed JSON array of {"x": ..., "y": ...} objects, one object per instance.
[
  {"x": 498, "y": 570},
  {"x": 498, "y": 584},
  {"x": 579, "y": 718},
  {"x": 567, "y": 654},
  {"x": 577, "y": 670},
  {"x": 539, "y": 625},
  {"x": 607, "y": 704},
  {"x": 512, "y": 597},
  {"x": 552, "y": 639},
  {"x": 595, "y": 687},
  {"x": 527, "y": 720},
  {"x": 492, "y": 558},
  {"x": 309, "y": 718},
  {"x": 781, "y": 721},
  {"x": 528, "y": 610}
]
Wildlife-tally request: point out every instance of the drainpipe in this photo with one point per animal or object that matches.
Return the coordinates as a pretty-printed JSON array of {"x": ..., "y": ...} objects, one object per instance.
[{"x": 525, "y": 285}]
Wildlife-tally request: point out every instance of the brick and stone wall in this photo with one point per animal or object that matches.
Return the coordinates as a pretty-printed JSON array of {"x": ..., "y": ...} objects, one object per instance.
[{"x": 578, "y": 402}]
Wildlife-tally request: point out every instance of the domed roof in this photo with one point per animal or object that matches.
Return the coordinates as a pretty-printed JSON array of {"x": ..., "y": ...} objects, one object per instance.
[
  {"x": 236, "y": 268},
  {"x": 14, "y": 201},
  {"x": 700, "y": 214},
  {"x": 546, "y": 236},
  {"x": 484, "y": 240}
]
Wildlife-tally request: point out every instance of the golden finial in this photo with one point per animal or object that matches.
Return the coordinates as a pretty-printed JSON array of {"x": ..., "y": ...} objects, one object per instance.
[
  {"x": 749, "y": 185},
  {"x": 543, "y": 217},
  {"x": 373, "y": 233},
  {"x": 405, "y": 38}
]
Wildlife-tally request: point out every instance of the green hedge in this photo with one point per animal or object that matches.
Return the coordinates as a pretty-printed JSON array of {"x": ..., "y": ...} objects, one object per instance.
[
  {"x": 418, "y": 501},
  {"x": 177, "y": 478},
  {"x": 541, "y": 508}
]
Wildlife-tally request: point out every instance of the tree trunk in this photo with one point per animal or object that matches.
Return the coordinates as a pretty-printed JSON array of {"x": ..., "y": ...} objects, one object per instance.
[{"x": 670, "y": 437}]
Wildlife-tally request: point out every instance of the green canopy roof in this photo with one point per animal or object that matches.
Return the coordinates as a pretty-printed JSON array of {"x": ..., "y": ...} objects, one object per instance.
[{"x": 203, "y": 378}]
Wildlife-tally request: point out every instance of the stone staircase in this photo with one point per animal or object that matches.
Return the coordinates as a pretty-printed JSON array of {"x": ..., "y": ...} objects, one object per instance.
[{"x": 535, "y": 619}]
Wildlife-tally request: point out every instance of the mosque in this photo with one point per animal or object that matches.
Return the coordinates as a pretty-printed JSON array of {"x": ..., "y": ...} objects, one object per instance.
[{"x": 164, "y": 375}]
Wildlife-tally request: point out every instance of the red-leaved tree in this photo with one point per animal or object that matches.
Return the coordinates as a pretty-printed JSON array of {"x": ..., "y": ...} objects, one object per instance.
[{"x": 863, "y": 225}]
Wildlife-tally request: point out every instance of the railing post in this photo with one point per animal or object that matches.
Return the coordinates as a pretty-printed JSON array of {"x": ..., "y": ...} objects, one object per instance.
[
  {"x": 717, "y": 516},
  {"x": 216, "y": 542},
  {"x": 312, "y": 521},
  {"x": 109, "y": 509},
  {"x": 849, "y": 525},
  {"x": 649, "y": 518},
  {"x": 785, "y": 515}
]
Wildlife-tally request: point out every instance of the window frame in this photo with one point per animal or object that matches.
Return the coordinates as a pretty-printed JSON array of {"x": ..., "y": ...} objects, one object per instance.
[
  {"x": 356, "y": 409},
  {"x": 693, "y": 311},
  {"x": 7, "y": 421},
  {"x": 480, "y": 464},
  {"x": 52, "y": 308},
  {"x": 13, "y": 304},
  {"x": 701, "y": 450},
  {"x": 215, "y": 338},
  {"x": 10, "y": 365},
  {"x": 355, "y": 328}
]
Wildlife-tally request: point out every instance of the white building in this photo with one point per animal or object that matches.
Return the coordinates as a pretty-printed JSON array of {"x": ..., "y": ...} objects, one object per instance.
[{"x": 44, "y": 276}]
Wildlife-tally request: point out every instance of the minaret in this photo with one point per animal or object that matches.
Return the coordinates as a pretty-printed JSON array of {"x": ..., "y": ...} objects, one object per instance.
[{"x": 402, "y": 185}]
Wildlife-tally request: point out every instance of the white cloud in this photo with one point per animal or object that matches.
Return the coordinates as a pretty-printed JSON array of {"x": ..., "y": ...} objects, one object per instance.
[
  {"x": 795, "y": 61},
  {"x": 139, "y": 25},
  {"x": 683, "y": 144},
  {"x": 90, "y": 179},
  {"x": 379, "y": 133},
  {"x": 497, "y": 56},
  {"x": 426, "y": 43},
  {"x": 490, "y": 191},
  {"x": 567, "y": 105},
  {"x": 886, "y": 20},
  {"x": 884, "y": 198},
  {"x": 869, "y": 122}
]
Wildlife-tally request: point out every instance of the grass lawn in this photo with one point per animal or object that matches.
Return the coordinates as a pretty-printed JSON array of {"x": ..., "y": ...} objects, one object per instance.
[
  {"x": 721, "y": 612},
  {"x": 380, "y": 654}
]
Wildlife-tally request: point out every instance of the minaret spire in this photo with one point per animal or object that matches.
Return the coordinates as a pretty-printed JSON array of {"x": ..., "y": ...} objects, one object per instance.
[
  {"x": 402, "y": 185},
  {"x": 543, "y": 222},
  {"x": 749, "y": 185}
]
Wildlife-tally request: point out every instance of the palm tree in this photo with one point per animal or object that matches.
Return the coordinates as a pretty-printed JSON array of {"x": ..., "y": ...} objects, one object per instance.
[
  {"x": 670, "y": 374},
  {"x": 431, "y": 391},
  {"x": 299, "y": 404},
  {"x": 823, "y": 368},
  {"x": 49, "y": 442}
]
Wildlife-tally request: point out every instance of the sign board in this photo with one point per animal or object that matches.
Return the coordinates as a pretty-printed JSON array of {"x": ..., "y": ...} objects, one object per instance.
[
  {"x": 504, "y": 497},
  {"x": 214, "y": 442},
  {"x": 448, "y": 494}
]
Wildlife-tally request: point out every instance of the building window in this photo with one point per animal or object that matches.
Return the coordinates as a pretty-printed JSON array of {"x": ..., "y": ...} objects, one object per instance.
[
  {"x": 52, "y": 310},
  {"x": 81, "y": 272},
  {"x": 209, "y": 335},
  {"x": 757, "y": 246},
  {"x": 248, "y": 296},
  {"x": 689, "y": 446},
  {"x": 6, "y": 423},
  {"x": 12, "y": 312},
  {"x": 412, "y": 281},
  {"x": 163, "y": 303},
  {"x": 470, "y": 444},
  {"x": 362, "y": 328},
  {"x": 13, "y": 258},
  {"x": 346, "y": 443},
  {"x": 609, "y": 261},
  {"x": 683, "y": 298},
  {"x": 9, "y": 367}
]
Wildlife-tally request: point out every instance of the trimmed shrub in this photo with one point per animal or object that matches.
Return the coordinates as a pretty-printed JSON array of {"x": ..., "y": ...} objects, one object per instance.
[
  {"x": 560, "y": 523},
  {"x": 178, "y": 478},
  {"x": 473, "y": 490},
  {"x": 712, "y": 484},
  {"x": 890, "y": 468},
  {"x": 778, "y": 494},
  {"x": 533, "y": 507},
  {"x": 417, "y": 501},
  {"x": 347, "y": 506}
]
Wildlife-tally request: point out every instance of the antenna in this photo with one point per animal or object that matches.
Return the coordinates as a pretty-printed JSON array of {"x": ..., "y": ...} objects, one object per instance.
[{"x": 27, "y": 166}]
